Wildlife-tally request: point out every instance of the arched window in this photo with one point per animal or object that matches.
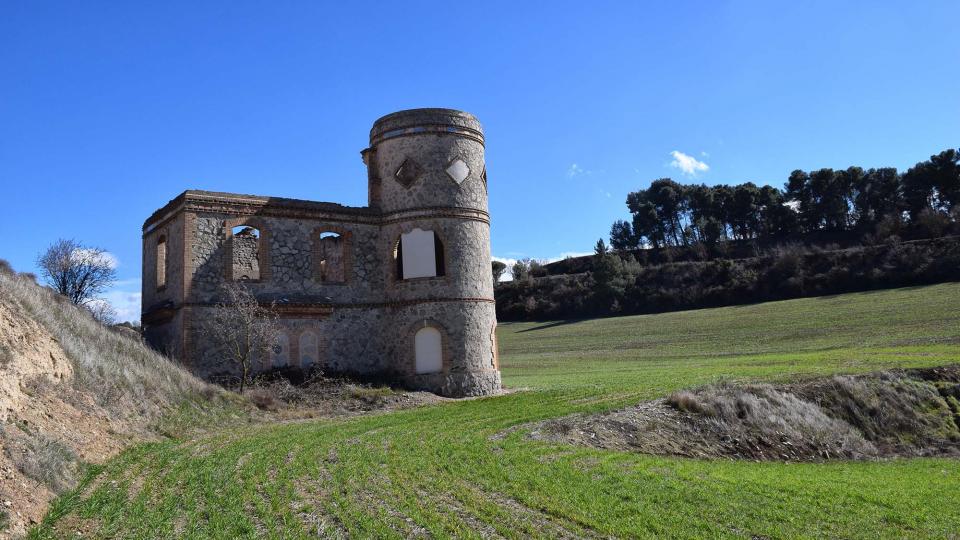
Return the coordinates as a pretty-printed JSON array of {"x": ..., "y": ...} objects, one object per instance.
[
  {"x": 419, "y": 253},
  {"x": 162, "y": 262},
  {"x": 428, "y": 348},
  {"x": 331, "y": 257},
  {"x": 280, "y": 353},
  {"x": 309, "y": 349},
  {"x": 246, "y": 253}
]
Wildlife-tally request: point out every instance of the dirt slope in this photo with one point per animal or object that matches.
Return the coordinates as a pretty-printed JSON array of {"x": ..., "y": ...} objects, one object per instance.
[{"x": 71, "y": 390}]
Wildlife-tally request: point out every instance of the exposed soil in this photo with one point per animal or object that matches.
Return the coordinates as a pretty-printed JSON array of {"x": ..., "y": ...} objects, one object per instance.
[
  {"x": 893, "y": 413},
  {"x": 47, "y": 426}
]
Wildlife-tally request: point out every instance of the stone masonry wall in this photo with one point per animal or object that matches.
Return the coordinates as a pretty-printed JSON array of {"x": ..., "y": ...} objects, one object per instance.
[{"x": 330, "y": 271}]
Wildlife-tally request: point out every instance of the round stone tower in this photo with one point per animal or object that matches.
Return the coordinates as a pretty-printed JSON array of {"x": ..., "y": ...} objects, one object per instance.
[{"x": 427, "y": 177}]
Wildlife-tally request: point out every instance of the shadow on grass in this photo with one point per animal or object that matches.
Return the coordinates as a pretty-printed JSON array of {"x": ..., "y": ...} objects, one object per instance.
[{"x": 551, "y": 325}]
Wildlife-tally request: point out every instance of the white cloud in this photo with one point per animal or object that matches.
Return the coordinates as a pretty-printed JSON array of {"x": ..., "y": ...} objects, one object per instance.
[
  {"x": 509, "y": 262},
  {"x": 576, "y": 170},
  {"x": 126, "y": 304},
  {"x": 105, "y": 257},
  {"x": 688, "y": 165}
]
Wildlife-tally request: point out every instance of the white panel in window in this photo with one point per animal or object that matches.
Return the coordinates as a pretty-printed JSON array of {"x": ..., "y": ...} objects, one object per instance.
[{"x": 419, "y": 258}]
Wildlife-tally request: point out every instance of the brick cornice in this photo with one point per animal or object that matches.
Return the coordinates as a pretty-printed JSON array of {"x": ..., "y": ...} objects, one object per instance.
[{"x": 235, "y": 205}]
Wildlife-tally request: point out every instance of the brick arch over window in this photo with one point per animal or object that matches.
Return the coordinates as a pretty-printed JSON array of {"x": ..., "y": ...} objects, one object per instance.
[
  {"x": 262, "y": 245},
  {"x": 161, "y": 269},
  {"x": 331, "y": 251},
  {"x": 429, "y": 346},
  {"x": 419, "y": 253}
]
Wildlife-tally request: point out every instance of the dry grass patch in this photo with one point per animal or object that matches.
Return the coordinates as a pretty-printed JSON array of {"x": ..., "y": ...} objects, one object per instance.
[{"x": 882, "y": 414}]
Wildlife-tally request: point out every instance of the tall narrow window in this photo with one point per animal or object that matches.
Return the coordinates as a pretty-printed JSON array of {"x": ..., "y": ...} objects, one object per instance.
[
  {"x": 309, "y": 349},
  {"x": 246, "y": 253},
  {"x": 331, "y": 250},
  {"x": 162, "y": 262},
  {"x": 419, "y": 253}
]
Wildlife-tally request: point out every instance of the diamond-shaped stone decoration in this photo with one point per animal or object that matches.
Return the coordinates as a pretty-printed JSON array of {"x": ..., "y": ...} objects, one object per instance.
[
  {"x": 408, "y": 172},
  {"x": 458, "y": 170}
]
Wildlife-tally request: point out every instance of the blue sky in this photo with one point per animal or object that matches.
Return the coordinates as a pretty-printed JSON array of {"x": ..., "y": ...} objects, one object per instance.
[{"x": 110, "y": 109}]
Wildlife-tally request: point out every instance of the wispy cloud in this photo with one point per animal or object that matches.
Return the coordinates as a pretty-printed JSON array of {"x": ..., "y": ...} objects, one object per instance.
[
  {"x": 688, "y": 165},
  {"x": 577, "y": 170},
  {"x": 125, "y": 297},
  {"x": 126, "y": 303}
]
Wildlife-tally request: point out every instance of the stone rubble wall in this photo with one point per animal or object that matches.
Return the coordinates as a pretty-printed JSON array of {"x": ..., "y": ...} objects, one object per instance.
[{"x": 339, "y": 297}]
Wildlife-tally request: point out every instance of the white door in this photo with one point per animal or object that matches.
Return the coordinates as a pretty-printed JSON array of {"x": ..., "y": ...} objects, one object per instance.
[{"x": 429, "y": 350}]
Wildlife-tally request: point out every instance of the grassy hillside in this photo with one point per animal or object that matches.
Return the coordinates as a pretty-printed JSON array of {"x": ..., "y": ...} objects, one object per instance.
[
  {"x": 458, "y": 469},
  {"x": 73, "y": 391}
]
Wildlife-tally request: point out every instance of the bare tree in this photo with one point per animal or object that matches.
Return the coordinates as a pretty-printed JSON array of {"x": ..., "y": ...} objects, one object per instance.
[
  {"x": 241, "y": 329},
  {"x": 77, "y": 272},
  {"x": 102, "y": 311}
]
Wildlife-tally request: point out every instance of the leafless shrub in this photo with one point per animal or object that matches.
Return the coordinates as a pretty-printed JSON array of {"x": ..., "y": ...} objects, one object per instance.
[
  {"x": 240, "y": 329},
  {"x": 5, "y": 267}
]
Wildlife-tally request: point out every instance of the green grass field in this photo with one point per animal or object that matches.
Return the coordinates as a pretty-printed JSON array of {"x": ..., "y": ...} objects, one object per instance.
[{"x": 453, "y": 470}]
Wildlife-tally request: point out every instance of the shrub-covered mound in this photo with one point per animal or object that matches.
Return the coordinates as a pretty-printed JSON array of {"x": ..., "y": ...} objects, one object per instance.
[{"x": 892, "y": 413}]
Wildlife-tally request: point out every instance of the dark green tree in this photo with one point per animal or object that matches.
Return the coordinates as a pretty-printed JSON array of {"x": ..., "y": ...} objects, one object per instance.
[
  {"x": 498, "y": 269},
  {"x": 621, "y": 236}
]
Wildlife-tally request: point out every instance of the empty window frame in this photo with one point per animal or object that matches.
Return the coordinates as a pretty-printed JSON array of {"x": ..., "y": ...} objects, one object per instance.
[
  {"x": 246, "y": 253},
  {"x": 331, "y": 253}
]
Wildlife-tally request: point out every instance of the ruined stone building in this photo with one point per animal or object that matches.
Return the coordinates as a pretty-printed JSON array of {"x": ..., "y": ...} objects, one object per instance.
[{"x": 400, "y": 288}]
